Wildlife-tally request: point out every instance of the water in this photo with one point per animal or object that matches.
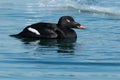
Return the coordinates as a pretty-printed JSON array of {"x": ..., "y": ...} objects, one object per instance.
[{"x": 95, "y": 55}]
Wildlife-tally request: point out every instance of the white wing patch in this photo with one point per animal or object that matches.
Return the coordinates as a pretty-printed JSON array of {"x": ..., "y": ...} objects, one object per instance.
[{"x": 33, "y": 30}]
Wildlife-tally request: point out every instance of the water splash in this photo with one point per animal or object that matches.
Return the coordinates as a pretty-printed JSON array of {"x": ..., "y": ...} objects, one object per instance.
[{"x": 81, "y": 6}]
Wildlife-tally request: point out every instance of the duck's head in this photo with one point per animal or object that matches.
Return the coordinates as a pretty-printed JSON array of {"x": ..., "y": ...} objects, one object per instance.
[{"x": 69, "y": 22}]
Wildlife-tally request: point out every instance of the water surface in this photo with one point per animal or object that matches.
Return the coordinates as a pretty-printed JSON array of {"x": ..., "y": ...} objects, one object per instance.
[{"x": 95, "y": 55}]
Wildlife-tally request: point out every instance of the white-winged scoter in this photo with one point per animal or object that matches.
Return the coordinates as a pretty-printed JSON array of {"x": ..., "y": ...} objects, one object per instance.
[{"x": 63, "y": 29}]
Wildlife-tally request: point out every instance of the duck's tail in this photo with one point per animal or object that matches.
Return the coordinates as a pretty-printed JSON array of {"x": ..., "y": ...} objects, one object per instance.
[{"x": 14, "y": 35}]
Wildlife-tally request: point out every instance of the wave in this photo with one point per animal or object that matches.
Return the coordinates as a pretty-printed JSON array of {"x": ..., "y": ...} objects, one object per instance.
[
  {"x": 96, "y": 10},
  {"x": 81, "y": 6}
]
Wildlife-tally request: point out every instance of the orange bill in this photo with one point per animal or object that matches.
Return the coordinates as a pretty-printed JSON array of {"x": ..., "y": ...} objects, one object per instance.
[{"x": 81, "y": 27}]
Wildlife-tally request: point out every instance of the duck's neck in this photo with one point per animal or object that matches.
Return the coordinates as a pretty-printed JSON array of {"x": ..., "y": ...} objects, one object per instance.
[{"x": 64, "y": 32}]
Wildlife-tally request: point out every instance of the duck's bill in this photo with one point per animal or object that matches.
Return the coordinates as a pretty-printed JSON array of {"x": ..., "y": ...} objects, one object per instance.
[{"x": 81, "y": 27}]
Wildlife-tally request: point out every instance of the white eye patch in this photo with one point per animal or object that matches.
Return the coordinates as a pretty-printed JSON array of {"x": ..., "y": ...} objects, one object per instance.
[
  {"x": 33, "y": 31},
  {"x": 67, "y": 20}
]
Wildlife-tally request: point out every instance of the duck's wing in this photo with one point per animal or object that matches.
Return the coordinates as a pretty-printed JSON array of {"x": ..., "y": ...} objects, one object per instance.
[
  {"x": 46, "y": 30},
  {"x": 41, "y": 30}
]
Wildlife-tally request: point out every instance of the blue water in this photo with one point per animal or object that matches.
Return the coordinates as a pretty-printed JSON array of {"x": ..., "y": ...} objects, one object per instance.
[{"x": 95, "y": 55}]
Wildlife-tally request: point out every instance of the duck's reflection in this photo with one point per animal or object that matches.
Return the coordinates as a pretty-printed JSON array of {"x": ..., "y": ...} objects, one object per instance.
[{"x": 62, "y": 45}]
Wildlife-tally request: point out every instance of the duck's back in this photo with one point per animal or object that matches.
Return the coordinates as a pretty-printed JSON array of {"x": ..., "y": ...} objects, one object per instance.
[{"x": 39, "y": 30}]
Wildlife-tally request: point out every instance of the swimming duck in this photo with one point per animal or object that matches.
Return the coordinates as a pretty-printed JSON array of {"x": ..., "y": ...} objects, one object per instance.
[{"x": 63, "y": 29}]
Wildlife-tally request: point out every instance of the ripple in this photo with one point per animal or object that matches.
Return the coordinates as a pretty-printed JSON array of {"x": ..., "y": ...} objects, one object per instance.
[
  {"x": 75, "y": 75},
  {"x": 41, "y": 61}
]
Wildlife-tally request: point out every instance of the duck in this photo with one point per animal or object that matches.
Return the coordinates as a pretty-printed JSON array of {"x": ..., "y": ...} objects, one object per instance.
[{"x": 61, "y": 30}]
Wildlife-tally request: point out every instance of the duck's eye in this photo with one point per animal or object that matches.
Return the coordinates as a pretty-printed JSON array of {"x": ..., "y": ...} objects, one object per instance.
[{"x": 67, "y": 20}]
